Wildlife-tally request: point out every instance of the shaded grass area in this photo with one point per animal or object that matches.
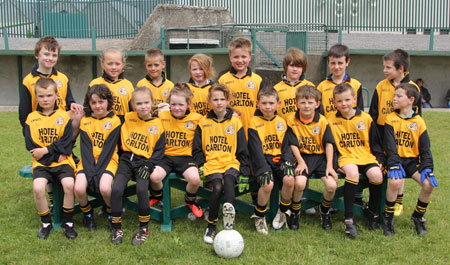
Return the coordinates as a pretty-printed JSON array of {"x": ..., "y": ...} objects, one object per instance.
[{"x": 19, "y": 224}]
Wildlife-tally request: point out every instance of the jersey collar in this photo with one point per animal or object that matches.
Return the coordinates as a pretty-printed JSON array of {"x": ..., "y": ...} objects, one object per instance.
[
  {"x": 188, "y": 111},
  {"x": 212, "y": 115},
  {"x": 259, "y": 113},
  {"x": 315, "y": 118},
  {"x": 163, "y": 74},
  {"x": 339, "y": 114},
  {"x": 407, "y": 118},
  {"x": 194, "y": 83},
  {"x": 39, "y": 109},
  {"x": 35, "y": 72},
  {"x": 109, "y": 115},
  {"x": 234, "y": 72},
  {"x": 109, "y": 80},
  {"x": 346, "y": 78},
  {"x": 284, "y": 78}
]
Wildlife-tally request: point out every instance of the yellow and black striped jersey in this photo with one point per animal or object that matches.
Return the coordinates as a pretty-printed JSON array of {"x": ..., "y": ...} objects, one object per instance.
[
  {"x": 245, "y": 93},
  {"x": 357, "y": 139},
  {"x": 98, "y": 145},
  {"x": 53, "y": 131},
  {"x": 179, "y": 132},
  {"x": 220, "y": 145},
  {"x": 310, "y": 138},
  {"x": 383, "y": 95},
  {"x": 160, "y": 93},
  {"x": 142, "y": 137},
  {"x": 326, "y": 88},
  {"x": 121, "y": 90},
  {"x": 28, "y": 101},
  {"x": 267, "y": 139},
  {"x": 406, "y": 138},
  {"x": 200, "y": 97},
  {"x": 286, "y": 93}
]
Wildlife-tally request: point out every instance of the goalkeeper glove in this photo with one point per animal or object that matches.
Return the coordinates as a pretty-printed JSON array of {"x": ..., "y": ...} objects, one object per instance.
[
  {"x": 427, "y": 173},
  {"x": 288, "y": 168},
  {"x": 145, "y": 170},
  {"x": 243, "y": 183},
  {"x": 264, "y": 178},
  {"x": 396, "y": 171}
]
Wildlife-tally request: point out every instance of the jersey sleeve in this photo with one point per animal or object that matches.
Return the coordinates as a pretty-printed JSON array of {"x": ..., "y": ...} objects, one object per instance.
[
  {"x": 292, "y": 139},
  {"x": 286, "y": 151},
  {"x": 257, "y": 159},
  {"x": 360, "y": 99},
  {"x": 158, "y": 151},
  {"x": 242, "y": 152},
  {"x": 87, "y": 156},
  {"x": 64, "y": 144},
  {"x": 69, "y": 97},
  {"x": 373, "y": 109},
  {"x": 426, "y": 159},
  {"x": 327, "y": 136},
  {"x": 24, "y": 105},
  {"x": 375, "y": 143},
  {"x": 197, "y": 148},
  {"x": 390, "y": 146}
]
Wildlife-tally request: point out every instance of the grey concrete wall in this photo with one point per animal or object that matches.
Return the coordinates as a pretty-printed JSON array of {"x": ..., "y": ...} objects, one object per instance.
[{"x": 366, "y": 68}]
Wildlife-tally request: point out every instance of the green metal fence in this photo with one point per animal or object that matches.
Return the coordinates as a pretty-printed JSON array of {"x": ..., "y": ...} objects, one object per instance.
[
  {"x": 75, "y": 18},
  {"x": 352, "y": 15}
]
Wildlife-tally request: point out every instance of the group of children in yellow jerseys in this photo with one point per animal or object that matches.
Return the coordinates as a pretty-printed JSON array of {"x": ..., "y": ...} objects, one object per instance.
[{"x": 233, "y": 131}]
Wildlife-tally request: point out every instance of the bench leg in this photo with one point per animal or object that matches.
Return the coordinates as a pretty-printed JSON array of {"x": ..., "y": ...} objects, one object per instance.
[
  {"x": 166, "y": 224},
  {"x": 58, "y": 198}
]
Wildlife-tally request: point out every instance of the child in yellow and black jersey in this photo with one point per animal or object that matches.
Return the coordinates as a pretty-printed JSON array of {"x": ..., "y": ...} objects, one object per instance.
[
  {"x": 408, "y": 151},
  {"x": 294, "y": 65},
  {"x": 142, "y": 138},
  {"x": 179, "y": 125},
  {"x": 243, "y": 83},
  {"x": 359, "y": 147},
  {"x": 338, "y": 61},
  {"x": 112, "y": 62},
  {"x": 156, "y": 79},
  {"x": 270, "y": 153},
  {"x": 221, "y": 149},
  {"x": 201, "y": 70},
  {"x": 312, "y": 144},
  {"x": 99, "y": 133},
  {"x": 48, "y": 137}
]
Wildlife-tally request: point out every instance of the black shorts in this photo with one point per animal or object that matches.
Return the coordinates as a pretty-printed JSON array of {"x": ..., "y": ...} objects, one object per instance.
[
  {"x": 364, "y": 168},
  {"x": 230, "y": 171},
  {"x": 177, "y": 164},
  {"x": 275, "y": 167},
  {"x": 127, "y": 169},
  {"x": 410, "y": 165},
  {"x": 53, "y": 173},
  {"x": 316, "y": 163}
]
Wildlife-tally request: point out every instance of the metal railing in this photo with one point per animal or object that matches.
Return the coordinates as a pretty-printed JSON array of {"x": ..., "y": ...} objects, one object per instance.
[
  {"x": 351, "y": 15},
  {"x": 75, "y": 18}
]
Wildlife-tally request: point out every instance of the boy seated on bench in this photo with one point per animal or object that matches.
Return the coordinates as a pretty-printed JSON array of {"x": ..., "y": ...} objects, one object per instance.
[
  {"x": 408, "y": 152},
  {"x": 48, "y": 137},
  {"x": 312, "y": 144},
  {"x": 269, "y": 153},
  {"x": 359, "y": 146}
]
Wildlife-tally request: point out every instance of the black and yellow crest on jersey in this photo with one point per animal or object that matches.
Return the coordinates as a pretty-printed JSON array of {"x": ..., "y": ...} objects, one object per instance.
[
  {"x": 356, "y": 139},
  {"x": 121, "y": 90},
  {"x": 311, "y": 138},
  {"x": 160, "y": 93},
  {"x": 326, "y": 87},
  {"x": 140, "y": 136},
  {"x": 286, "y": 92},
  {"x": 179, "y": 132},
  {"x": 245, "y": 92},
  {"x": 47, "y": 130},
  {"x": 200, "y": 97}
]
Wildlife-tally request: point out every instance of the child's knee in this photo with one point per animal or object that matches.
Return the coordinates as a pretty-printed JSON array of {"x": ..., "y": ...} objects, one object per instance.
[
  {"x": 68, "y": 186},
  {"x": 39, "y": 189},
  {"x": 288, "y": 182},
  {"x": 395, "y": 184},
  {"x": 105, "y": 190},
  {"x": 267, "y": 188},
  {"x": 300, "y": 182},
  {"x": 194, "y": 180},
  {"x": 427, "y": 187},
  {"x": 330, "y": 186}
]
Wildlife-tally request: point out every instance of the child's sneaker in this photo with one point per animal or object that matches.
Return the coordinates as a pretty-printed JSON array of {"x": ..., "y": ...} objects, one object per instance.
[
  {"x": 294, "y": 221},
  {"x": 325, "y": 220},
  {"x": 228, "y": 215},
  {"x": 116, "y": 236},
  {"x": 195, "y": 208},
  {"x": 155, "y": 203},
  {"x": 419, "y": 223},
  {"x": 351, "y": 229},
  {"x": 373, "y": 219},
  {"x": 280, "y": 219},
  {"x": 88, "y": 222},
  {"x": 45, "y": 230},
  {"x": 140, "y": 237},
  {"x": 210, "y": 233},
  {"x": 260, "y": 224},
  {"x": 69, "y": 230},
  {"x": 398, "y": 209},
  {"x": 388, "y": 226}
]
